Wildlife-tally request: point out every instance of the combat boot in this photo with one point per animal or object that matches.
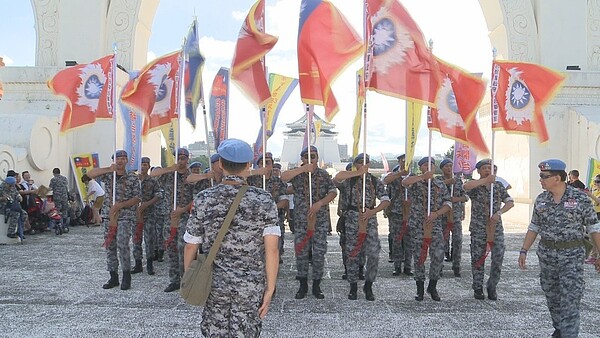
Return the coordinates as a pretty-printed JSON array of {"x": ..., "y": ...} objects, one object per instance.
[
  {"x": 161, "y": 254},
  {"x": 172, "y": 287},
  {"x": 420, "y": 291},
  {"x": 353, "y": 290},
  {"x": 113, "y": 281},
  {"x": 368, "y": 290},
  {"x": 316, "y": 289},
  {"x": 150, "y": 266},
  {"x": 432, "y": 290},
  {"x": 492, "y": 295},
  {"x": 138, "y": 266},
  {"x": 361, "y": 272},
  {"x": 478, "y": 294},
  {"x": 303, "y": 288},
  {"x": 126, "y": 282},
  {"x": 397, "y": 271},
  {"x": 408, "y": 271}
]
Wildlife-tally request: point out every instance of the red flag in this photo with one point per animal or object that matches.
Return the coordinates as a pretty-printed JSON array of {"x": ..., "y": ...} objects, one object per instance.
[
  {"x": 247, "y": 67},
  {"x": 399, "y": 62},
  {"x": 457, "y": 102},
  {"x": 326, "y": 45},
  {"x": 154, "y": 92},
  {"x": 519, "y": 91},
  {"x": 88, "y": 90}
]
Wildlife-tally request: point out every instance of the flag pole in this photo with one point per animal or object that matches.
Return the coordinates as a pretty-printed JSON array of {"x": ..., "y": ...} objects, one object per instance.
[
  {"x": 367, "y": 79},
  {"x": 178, "y": 111},
  {"x": 307, "y": 132},
  {"x": 264, "y": 142},
  {"x": 429, "y": 150},
  {"x": 114, "y": 116},
  {"x": 212, "y": 181},
  {"x": 493, "y": 99}
]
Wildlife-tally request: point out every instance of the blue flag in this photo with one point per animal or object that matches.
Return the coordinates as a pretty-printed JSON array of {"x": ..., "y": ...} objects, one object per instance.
[
  {"x": 194, "y": 62},
  {"x": 132, "y": 123}
]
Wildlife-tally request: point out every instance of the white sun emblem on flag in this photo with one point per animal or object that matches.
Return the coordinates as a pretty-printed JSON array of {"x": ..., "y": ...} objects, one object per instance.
[
  {"x": 163, "y": 85},
  {"x": 447, "y": 106},
  {"x": 520, "y": 105},
  {"x": 391, "y": 40},
  {"x": 92, "y": 81}
]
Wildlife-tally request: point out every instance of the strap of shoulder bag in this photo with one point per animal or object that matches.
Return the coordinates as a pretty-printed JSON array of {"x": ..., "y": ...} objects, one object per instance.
[{"x": 217, "y": 244}]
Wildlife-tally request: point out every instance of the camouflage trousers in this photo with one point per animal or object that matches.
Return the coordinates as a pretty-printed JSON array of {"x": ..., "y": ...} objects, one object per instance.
[
  {"x": 12, "y": 219},
  {"x": 162, "y": 220},
  {"x": 318, "y": 244},
  {"x": 370, "y": 247},
  {"x": 436, "y": 249},
  {"x": 401, "y": 248},
  {"x": 175, "y": 250},
  {"x": 118, "y": 250},
  {"x": 561, "y": 278},
  {"x": 342, "y": 232},
  {"x": 456, "y": 239},
  {"x": 62, "y": 205},
  {"x": 148, "y": 237},
  {"x": 478, "y": 244},
  {"x": 281, "y": 213}
]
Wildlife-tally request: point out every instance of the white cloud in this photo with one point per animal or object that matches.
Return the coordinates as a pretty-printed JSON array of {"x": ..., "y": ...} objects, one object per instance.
[
  {"x": 239, "y": 16},
  {"x": 150, "y": 56},
  {"x": 217, "y": 51}
]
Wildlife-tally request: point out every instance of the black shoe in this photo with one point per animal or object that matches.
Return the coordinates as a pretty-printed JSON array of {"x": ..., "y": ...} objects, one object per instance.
[
  {"x": 408, "y": 272},
  {"x": 172, "y": 287},
  {"x": 353, "y": 290},
  {"x": 368, "y": 290},
  {"x": 420, "y": 291},
  {"x": 397, "y": 272},
  {"x": 138, "y": 266},
  {"x": 150, "y": 266},
  {"x": 432, "y": 290},
  {"x": 492, "y": 295},
  {"x": 303, "y": 288},
  {"x": 12, "y": 235},
  {"x": 161, "y": 254},
  {"x": 126, "y": 282},
  {"x": 316, "y": 289},
  {"x": 556, "y": 333},
  {"x": 113, "y": 281},
  {"x": 456, "y": 272},
  {"x": 478, "y": 294}
]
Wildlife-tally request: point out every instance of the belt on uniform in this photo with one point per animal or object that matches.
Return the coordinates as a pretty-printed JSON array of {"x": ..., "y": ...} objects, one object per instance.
[
  {"x": 550, "y": 244},
  {"x": 351, "y": 208}
]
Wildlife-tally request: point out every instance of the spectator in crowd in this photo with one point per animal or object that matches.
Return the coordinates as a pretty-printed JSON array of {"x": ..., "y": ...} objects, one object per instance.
[
  {"x": 95, "y": 194},
  {"x": 574, "y": 180},
  {"x": 594, "y": 194}
]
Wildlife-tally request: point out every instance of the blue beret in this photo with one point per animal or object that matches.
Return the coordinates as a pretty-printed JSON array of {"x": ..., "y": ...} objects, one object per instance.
[
  {"x": 349, "y": 166},
  {"x": 359, "y": 158},
  {"x": 214, "y": 158},
  {"x": 424, "y": 160},
  {"x": 146, "y": 160},
  {"x": 120, "y": 153},
  {"x": 267, "y": 155},
  {"x": 313, "y": 149},
  {"x": 196, "y": 165},
  {"x": 400, "y": 157},
  {"x": 396, "y": 168},
  {"x": 444, "y": 162},
  {"x": 552, "y": 164},
  {"x": 485, "y": 161},
  {"x": 11, "y": 180},
  {"x": 183, "y": 152},
  {"x": 236, "y": 151}
]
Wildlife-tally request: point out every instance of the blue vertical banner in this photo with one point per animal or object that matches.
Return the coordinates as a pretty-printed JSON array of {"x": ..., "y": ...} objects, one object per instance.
[
  {"x": 219, "y": 105},
  {"x": 132, "y": 123}
]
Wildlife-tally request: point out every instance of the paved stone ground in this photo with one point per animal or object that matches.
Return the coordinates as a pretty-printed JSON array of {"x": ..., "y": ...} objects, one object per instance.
[{"x": 51, "y": 287}]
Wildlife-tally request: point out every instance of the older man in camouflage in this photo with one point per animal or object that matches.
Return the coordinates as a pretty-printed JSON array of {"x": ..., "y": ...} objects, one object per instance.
[
  {"x": 60, "y": 188},
  {"x": 358, "y": 238},
  {"x": 560, "y": 214},
  {"x": 146, "y": 220},
  {"x": 245, "y": 267},
  {"x": 180, "y": 214},
  {"x": 421, "y": 223},
  {"x": 119, "y": 216},
  {"x": 322, "y": 192},
  {"x": 483, "y": 227}
]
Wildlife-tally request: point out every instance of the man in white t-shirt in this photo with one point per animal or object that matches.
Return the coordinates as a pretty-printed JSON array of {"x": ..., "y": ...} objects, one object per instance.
[{"x": 94, "y": 193}]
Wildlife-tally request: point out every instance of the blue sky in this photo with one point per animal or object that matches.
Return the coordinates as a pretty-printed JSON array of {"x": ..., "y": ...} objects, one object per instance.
[{"x": 457, "y": 28}]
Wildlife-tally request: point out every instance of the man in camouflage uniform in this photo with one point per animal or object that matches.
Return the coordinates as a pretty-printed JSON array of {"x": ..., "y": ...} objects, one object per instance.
[
  {"x": 162, "y": 209},
  {"x": 479, "y": 193},
  {"x": 399, "y": 237},
  {"x": 419, "y": 219},
  {"x": 60, "y": 188},
  {"x": 560, "y": 214},
  {"x": 119, "y": 217},
  {"x": 452, "y": 221},
  {"x": 245, "y": 268},
  {"x": 355, "y": 242},
  {"x": 196, "y": 173},
  {"x": 323, "y": 191},
  {"x": 179, "y": 216},
  {"x": 10, "y": 200},
  {"x": 146, "y": 220},
  {"x": 275, "y": 186}
]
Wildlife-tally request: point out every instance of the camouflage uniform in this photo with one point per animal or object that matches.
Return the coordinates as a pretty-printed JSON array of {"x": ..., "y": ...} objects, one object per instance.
[
  {"x": 322, "y": 185},
  {"x": 239, "y": 270},
  {"x": 60, "y": 189},
  {"x": 402, "y": 248},
  {"x": 127, "y": 187},
  {"x": 184, "y": 197},
  {"x": 150, "y": 189},
  {"x": 480, "y": 214},
  {"x": 561, "y": 270},
  {"x": 458, "y": 213},
  {"x": 277, "y": 188},
  {"x": 417, "y": 194},
  {"x": 11, "y": 217},
  {"x": 371, "y": 245},
  {"x": 162, "y": 208}
]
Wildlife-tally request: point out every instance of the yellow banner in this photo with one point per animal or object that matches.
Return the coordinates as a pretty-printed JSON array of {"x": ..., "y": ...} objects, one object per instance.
[
  {"x": 169, "y": 132},
  {"x": 81, "y": 164},
  {"x": 360, "y": 101},
  {"x": 281, "y": 87},
  {"x": 413, "y": 122},
  {"x": 593, "y": 170}
]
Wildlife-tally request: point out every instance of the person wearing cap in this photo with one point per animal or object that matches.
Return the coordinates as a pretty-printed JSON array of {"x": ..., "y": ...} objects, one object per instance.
[
  {"x": 145, "y": 229},
  {"x": 212, "y": 177},
  {"x": 323, "y": 191},
  {"x": 275, "y": 186},
  {"x": 357, "y": 212},
  {"x": 60, "y": 187},
  {"x": 123, "y": 212},
  {"x": 452, "y": 221},
  {"x": 179, "y": 214},
  {"x": 479, "y": 193},
  {"x": 419, "y": 219},
  {"x": 96, "y": 194},
  {"x": 560, "y": 214},
  {"x": 245, "y": 269},
  {"x": 399, "y": 240},
  {"x": 10, "y": 200}
]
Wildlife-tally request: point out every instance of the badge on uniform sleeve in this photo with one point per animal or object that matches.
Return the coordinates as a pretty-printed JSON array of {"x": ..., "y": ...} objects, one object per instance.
[{"x": 571, "y": 204}]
